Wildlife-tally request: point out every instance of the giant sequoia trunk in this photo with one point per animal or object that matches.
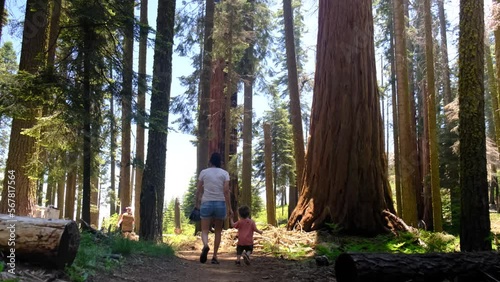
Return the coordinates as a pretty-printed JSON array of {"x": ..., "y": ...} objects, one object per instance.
[
  {"x": 474, "y": 217},
  {"x": 153, "y": 181},
  {"x": 345, "y": 178}
]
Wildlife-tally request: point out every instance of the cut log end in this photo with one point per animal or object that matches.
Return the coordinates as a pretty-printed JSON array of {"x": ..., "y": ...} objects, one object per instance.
[
  {"x": 68, "y": 246},
  {"x": 47, "y": 242},
  {"x": 345, "y": 268}
]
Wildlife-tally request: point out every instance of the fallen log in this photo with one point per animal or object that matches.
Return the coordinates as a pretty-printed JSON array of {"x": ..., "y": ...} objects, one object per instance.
[
  {"x": 47, "y": 242},
  {"x": 474, "y": 266}
]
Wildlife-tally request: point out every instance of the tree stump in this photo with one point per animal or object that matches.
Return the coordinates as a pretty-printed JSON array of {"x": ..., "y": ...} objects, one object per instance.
[
  {"x": 48, "y": 242},
  {"x": 474, "y": 266}
]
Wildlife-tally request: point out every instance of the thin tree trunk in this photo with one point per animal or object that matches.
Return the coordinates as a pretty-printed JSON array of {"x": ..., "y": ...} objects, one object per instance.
[
  {"x": 141, "y": 108},
  {"x": 447, "y": 96},
  {"x": 248, "y": 80},
  {"x": 493, "y": 187},
  {"x": 293, "y": 197},
  {"x": 431, "y": 112},
  {"x": 54, "y": 30},
  {"x": 177, "y": 215},
  {"x": 204, "y": 100},
  {"x": 50, "y": 190},
  {"x": 94, "y": 201},
  {"x": 60, "y": 195},
  {"x": 493, "y": 90},
  {"x": 125, "y": 163},
  {"x": 233, "y": 151},
  {"x": 414, "y": 74},
  {"x": 69, "y": 211},
  {"x": 79, "y": 194},
  {"x": 112, "y": 152},
  {"x": 153, "y": 181},
  {"x": 39, "y": 190},
  {"x": 229, "y": 131},
  {"x": 408, "y": 159},
  {"x": 395, "y": 122},
  {"x": 88, "y": 49},
  {"x": 498, "y": 196},
  {"x": 492, "y": 83},
  {"x": 452, "y": 170},
  {"x": 425, "y": 162},
  {"x": 293, "y": 88},
  {"x": 497, "y": 55},
  {"x": 270, "y": 194}
]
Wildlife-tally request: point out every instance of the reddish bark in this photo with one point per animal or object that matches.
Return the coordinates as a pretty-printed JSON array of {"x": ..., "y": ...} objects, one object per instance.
[
  {"x": 345, "y": 176},
  {"x": 216, "y": 112}
]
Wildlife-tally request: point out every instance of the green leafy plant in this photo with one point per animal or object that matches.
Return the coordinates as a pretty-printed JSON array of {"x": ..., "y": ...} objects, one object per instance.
[
  {"x": 328, "y": 250},
  {"x": 109, "y": 223},
  {"x": 440, "y": 242},
  {"x": 333, "y": 227},
  {"x": 100, "y": 254}
]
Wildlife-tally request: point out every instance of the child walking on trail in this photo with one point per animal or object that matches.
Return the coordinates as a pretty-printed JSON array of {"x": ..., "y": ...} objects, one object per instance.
[{"x": 246, "y": 227}]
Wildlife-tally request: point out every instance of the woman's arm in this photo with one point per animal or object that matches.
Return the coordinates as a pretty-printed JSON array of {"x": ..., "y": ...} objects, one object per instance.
[
  {"x": 227, "y": 197},
  {"x": 199, "y": 194}
]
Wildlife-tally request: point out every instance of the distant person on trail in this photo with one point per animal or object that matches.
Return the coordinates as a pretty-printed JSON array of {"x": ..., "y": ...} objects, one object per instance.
[
  {"x": 126, "y": 222},
  {"x": 246, "y": 227},
  {"x": 212, "y": 198}
]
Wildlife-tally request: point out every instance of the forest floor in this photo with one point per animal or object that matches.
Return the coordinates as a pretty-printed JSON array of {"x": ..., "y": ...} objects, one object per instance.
[
  {"x": 271, "y": 261},
  {"x": 267, "y": 264},
  {"x": 185, "y": 265}
]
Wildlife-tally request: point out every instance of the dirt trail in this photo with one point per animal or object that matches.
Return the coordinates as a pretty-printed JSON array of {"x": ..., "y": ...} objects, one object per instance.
[{"x": 185, "y": 266}]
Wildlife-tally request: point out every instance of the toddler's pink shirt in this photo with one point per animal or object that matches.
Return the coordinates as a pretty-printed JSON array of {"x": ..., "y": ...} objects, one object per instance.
[{"x": 245, "y": 227}]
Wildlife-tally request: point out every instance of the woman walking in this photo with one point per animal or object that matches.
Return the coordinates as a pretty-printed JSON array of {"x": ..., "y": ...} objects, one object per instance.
[{"x": 213, "y": 200}]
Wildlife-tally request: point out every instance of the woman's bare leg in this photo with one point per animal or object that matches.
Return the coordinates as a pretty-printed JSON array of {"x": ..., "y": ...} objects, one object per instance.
[
  {"x": 205, "y": 226},
  {"x": 218, "y": 230}
]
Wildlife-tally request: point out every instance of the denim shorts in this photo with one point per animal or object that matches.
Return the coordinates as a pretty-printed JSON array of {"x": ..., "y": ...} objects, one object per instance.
[{"x": 213, "y": 209}]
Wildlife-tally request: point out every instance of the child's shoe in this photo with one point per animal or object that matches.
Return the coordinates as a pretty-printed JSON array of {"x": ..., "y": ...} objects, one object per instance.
[{"x": 246, "y": 258}]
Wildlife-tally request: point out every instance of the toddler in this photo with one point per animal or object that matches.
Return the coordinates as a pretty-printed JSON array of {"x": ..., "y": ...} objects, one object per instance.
[{"x": 246, "y": 227}]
